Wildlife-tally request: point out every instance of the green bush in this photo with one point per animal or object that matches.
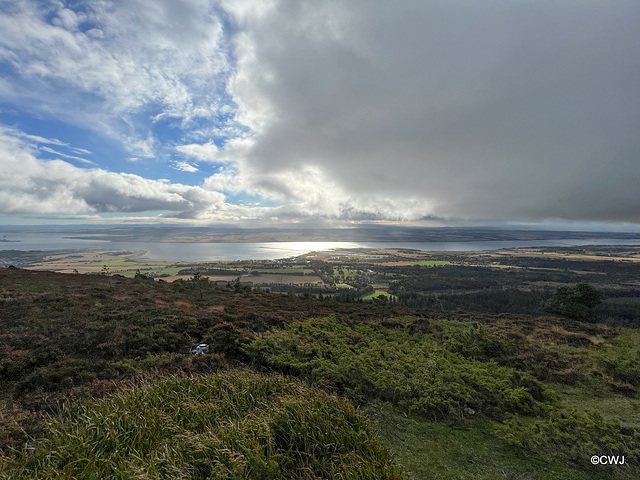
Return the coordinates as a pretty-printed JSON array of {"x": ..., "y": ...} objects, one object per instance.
[
  {"x": 392, "y": 364},
  {"x": 479, "y": 342}
]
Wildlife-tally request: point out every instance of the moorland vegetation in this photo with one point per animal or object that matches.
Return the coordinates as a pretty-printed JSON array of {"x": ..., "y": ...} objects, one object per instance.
[{"x": 98, "y": 379}]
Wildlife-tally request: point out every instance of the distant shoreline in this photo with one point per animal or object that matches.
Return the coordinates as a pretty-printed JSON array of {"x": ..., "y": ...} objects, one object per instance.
[{"x": 358, "y": 235}]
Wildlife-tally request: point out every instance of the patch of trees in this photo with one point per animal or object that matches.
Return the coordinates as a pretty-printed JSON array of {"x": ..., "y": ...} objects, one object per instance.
[
  {"x": 616, "y": 269},
  {"x": 19, "y": 258},
  {"x": 576, "y": 302},
  {"x": 510, "y": 300}
]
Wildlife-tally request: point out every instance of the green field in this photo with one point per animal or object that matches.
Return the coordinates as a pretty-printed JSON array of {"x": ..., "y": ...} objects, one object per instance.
[
  {"x": 115, "y": 263},
  {"x": 347, "y": 272},
  {"x": 147, "y": 271},
  {"x": 378, "y": 293}
]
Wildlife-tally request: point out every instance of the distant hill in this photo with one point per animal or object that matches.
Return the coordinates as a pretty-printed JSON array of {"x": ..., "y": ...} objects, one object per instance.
[{"x": 366, "y": 233}]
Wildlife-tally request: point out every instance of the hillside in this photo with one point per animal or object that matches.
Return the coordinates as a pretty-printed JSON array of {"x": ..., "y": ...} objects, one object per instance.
[{"x": 450, "y": 395}]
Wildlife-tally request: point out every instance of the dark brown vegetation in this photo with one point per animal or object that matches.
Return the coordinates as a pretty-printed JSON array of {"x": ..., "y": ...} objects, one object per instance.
[{"x": 64, "y": 337}]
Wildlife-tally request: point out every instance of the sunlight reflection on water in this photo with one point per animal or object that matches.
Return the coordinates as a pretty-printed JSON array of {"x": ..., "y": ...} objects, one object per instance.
[{"x": 268, "y": 250}]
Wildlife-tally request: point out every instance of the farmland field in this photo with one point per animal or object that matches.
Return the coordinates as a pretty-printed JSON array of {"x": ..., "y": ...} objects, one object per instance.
[
  {"x": 431, "y": 263},
  {"x": 286, "y": 271},
  {"x": 269, "y": 278}
]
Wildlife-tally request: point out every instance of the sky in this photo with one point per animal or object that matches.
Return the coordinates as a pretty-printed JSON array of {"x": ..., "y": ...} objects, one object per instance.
[{"x": 320, "y": 112}]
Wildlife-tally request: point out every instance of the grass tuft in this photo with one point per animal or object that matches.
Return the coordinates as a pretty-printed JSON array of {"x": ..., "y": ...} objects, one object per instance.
[{"x": 233, "y": 425}]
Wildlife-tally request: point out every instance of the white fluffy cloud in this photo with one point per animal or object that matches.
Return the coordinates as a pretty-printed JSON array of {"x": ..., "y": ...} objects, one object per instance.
[
  {"x": 32, "y": 185},
  {"x": 107, "y": 62},
  {"x": 208, "y": 152},
  {"x": 185, "y": 167}
]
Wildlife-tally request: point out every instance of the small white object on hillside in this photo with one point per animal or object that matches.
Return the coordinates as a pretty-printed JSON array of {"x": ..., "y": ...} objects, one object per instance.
[{"x": 200, "y": 349}]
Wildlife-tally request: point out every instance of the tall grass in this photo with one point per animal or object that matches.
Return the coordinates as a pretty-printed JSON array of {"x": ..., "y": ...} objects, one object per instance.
[{"x": 233, "y": 425}]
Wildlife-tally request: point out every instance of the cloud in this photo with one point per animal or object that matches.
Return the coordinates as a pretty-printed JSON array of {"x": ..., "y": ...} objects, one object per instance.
[
  {"x": 31, "y": 141},
  {"x": 64, "y": 155},
  {"x": 14, "y": 132},
  {"x": 29, "y": 185},
  {"x": 498, "y": 110},
  {"x": 139, "y": 147},
  {"x": 103, "y": 64},
  {"x": 185, "y": 167},
  {"x": 207, "y": 152},
  {"x": 81, "y": 151},
  {"x": 360, "y": 110}
]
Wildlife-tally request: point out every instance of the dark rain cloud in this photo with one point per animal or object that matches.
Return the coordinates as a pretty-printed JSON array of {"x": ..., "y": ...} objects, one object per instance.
[{"x": 495, "y": 110}]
